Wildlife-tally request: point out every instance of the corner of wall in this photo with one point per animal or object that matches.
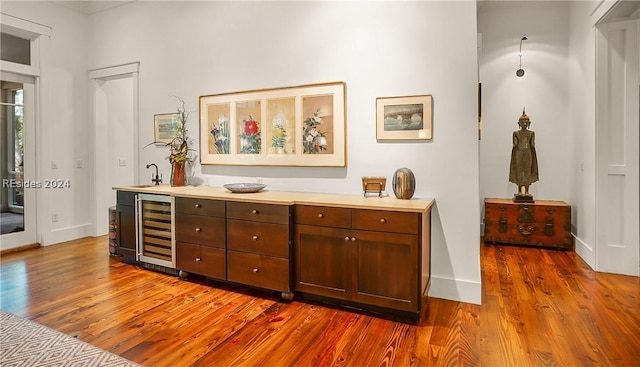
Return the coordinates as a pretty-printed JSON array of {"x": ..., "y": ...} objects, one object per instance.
[
  {"x": 585, "y": 251},
  {"x": 455, "y": 289}
]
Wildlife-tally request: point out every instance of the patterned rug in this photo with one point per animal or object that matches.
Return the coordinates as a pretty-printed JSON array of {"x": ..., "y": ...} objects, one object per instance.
[{"x": 29, "y": 344}]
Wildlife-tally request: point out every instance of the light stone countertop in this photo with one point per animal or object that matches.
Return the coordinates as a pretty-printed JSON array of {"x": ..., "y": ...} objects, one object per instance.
[{"x": 267, "y": 196}]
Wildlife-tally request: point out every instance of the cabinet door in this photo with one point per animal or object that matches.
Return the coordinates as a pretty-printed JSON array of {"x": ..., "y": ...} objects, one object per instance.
[
  {"x": 126, "y": 230},
  {"x": 386, "y": 272},
  {"x": 323, "y": 261}
]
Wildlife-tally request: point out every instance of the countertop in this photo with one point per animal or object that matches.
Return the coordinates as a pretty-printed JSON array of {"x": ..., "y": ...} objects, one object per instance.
[{"x": 267, "y": 196}]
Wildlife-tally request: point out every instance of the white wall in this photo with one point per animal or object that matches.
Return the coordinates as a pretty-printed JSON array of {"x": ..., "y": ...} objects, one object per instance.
[
  {"x": 63, "y": 121},
  {"x": 379, "y": 49},
  {"x": 543, "y": 91},
  {"x": 582, "y": 129}
]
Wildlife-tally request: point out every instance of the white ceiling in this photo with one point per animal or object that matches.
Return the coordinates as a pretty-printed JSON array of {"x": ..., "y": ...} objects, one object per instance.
[{"x": 91, "y": 6}]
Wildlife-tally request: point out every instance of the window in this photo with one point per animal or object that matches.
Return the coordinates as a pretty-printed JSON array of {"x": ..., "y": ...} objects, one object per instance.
[{"x": 15, "y": 49}]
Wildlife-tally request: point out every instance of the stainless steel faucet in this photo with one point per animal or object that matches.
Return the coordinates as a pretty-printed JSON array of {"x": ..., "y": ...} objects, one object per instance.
[{"x": 157, "y": 179}]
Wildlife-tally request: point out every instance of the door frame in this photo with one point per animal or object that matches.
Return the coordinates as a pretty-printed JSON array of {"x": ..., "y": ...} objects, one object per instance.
[
  {"x": 129, "y": 70},
  {"x": 603, "y": 168},
  {"x": 30, "y": 75}
]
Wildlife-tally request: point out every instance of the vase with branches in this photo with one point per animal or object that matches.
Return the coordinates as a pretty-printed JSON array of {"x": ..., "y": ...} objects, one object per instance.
[{"x": 179, "y": 146}]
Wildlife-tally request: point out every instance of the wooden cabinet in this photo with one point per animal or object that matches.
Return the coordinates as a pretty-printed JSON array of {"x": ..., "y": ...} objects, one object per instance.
[
  {"x": 200, "y": 234},
  {"x": 126, "y": 224},
  {"x": 543, "y": 223},
  {"x": 345, "y": 249},
  {"x": 370, "y": 257},
  {"x": 259, "y": 246}
]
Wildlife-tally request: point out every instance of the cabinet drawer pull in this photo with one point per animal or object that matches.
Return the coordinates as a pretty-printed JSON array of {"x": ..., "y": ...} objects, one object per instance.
[
  {"x": 255, "y": 238},
  {"x": 198, "y": 206},
  {"x": 255, "y": 270},
  {"x": 198, "y": 259},
  {"x": 320, "y": 215},
  {"x": 254, "y": 211},
  {"x": 347, "y": 238},
  {"x": 198, "y": 229},
  {"x": 382, "y": 220},
  {"x": 353, "y": 239}
]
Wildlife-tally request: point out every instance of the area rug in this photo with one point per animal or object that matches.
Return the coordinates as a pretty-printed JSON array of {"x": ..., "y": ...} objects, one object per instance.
[{"x": 27, "y": 343}]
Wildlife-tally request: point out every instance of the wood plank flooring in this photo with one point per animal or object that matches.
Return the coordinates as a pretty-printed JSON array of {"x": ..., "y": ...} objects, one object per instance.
[{"x": 540, "y": 308}]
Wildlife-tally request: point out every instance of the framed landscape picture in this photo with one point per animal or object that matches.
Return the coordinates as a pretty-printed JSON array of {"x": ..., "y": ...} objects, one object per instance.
[
  {"x": 404, "y": 118},
  {"x": 165, "y": 127},
  {"x": 292, "y": 126}
]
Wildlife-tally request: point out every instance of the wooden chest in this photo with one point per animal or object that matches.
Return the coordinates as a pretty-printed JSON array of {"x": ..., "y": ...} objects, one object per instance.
[{"x": 543, "y": 223}]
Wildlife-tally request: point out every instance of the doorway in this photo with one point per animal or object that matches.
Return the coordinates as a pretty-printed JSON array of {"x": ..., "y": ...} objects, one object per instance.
[
  {"x": 115, "y": 115},
  {"x": 17, "y": 161},
  {"x": 618, "y": 156}
]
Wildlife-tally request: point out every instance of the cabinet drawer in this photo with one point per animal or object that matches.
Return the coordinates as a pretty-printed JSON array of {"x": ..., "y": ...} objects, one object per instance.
[
  {"x": 386, "y": 221},
  {"x": 258, "y": 270},
  {"x": 198, "y": 206},
  {"x": 210, "y": 262},
  {"x": 207, "y": 231},
  {"x": 214, "y": 263},
  {"x": 323, "y": 216},
  {"x": 258, "y": 212},
  {"x": 260, "y": 238}
]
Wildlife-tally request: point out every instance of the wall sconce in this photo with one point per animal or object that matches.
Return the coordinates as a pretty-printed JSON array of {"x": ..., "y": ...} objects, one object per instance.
[{"x": 520, "y": 71}]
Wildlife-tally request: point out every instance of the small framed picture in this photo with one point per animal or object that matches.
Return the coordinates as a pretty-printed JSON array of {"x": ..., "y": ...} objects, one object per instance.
[
  {"x": 404, "y": 118},
  {"x": 165, "y": 127}
]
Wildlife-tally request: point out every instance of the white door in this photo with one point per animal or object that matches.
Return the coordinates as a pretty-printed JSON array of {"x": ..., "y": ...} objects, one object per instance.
[
  {"x": 618, "y": 198},
  {"x": 18, "y": 166},
  {"x": 115, "y": 106}
]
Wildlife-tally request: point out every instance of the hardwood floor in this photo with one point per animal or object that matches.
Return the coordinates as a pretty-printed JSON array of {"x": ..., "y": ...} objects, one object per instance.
[{"x": 540, "y": 308}]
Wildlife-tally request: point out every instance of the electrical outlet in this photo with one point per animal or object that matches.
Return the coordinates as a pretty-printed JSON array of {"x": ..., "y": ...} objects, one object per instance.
[
  {"x": 54, "y": 217},
  {"x": 122, "y": 162},
  {"x": 54, "y": 164},
  {"x": 79, "y": 163}
]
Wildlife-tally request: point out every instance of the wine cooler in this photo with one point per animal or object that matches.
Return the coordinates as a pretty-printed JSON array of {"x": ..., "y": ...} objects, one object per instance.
[{"x": 154, "y": 216}]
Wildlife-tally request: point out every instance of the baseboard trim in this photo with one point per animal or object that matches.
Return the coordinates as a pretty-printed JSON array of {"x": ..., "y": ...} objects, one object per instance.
[
  {"x": 585, "y": 251},
  {"x": 20, "y": 248},
  {"x": 67, "y": 234},
  {"x": 456, "y": 290}
]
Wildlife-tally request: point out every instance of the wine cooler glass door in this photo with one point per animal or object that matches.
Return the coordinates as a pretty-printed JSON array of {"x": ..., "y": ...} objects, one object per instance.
[{"x": 155, "y": 239}]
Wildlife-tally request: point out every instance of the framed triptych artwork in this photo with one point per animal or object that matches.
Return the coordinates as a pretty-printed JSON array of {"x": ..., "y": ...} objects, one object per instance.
[{"x": 293, "y": 126}]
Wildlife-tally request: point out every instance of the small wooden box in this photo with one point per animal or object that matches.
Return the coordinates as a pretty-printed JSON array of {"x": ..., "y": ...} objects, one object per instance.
[
  {"x": 373, "y": 185},
  {"x": 544, "y": 223}
]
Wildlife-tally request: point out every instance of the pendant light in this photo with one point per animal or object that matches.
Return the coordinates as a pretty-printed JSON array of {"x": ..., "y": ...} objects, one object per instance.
[{"x": 520, "y": 71}]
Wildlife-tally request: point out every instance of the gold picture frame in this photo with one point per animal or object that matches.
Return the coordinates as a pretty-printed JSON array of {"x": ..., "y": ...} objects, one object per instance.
[
  {"x": 404, "y": 118},
  {"x": 293, "y": 126},
  {"x": 165, "y": 127}
]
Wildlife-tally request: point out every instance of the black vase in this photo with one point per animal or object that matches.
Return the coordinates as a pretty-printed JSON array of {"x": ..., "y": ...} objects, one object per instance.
[{"x": 404, "y": 183}]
